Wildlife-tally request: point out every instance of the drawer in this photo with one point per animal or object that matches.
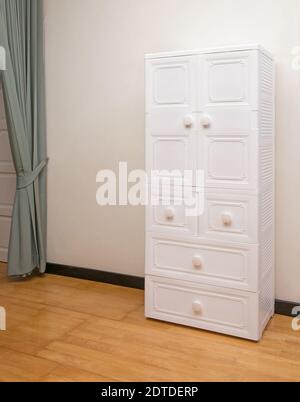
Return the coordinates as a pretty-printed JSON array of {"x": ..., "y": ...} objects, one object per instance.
[
  {"x": 230, "y": 217},
  {"x": 233, "y": 266},
  {"x": 217, "y": 216},
  {"x": 215, "y": 309},
  {"x": 171, "y": 215}
]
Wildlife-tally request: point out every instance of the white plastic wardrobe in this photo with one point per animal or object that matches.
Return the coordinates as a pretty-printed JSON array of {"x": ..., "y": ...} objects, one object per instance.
[{"x": 213, "y": 110}]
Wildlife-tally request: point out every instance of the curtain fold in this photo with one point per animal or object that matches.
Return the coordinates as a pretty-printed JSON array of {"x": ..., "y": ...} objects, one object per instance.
[{"x": 21, "y": 34}]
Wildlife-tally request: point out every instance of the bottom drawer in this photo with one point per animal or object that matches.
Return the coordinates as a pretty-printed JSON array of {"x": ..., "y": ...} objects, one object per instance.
[
  {"x": 228, "y": 265},
  {"x": 211, "y": 308}
]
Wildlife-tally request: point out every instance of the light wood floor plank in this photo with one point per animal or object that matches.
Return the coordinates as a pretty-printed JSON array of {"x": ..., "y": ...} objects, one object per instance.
[
  {"x": 15, "y": 366},
  {"x": 71, "y": 374},
  {"x": 96, "y": 299},
  {"x": 63, "y": 329}
]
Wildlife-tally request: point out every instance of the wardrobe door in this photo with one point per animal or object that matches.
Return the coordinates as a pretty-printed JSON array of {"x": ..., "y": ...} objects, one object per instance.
[
  {"x": 169, "y": 158},
  {"x": 230, "y": 159},
  {"x": 228, "y": 120},
  {"x": 170, "y": 115},
  {"x": 171, "y": 95}
]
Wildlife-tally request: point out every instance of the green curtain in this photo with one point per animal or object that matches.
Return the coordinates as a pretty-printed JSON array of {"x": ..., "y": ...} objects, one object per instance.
[{"x": 21, "y": 34}]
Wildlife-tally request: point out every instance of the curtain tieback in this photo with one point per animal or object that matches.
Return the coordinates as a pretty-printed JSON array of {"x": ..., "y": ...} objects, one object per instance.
[{"x": 26, "y": 180}]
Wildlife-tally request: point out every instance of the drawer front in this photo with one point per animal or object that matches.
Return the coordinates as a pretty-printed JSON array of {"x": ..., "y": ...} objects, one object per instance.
[
  {"x": 210, "y": 308},
  {"x": 234, "y": 266},
  {"x": 229, "y": 217},
  {"x": 218, "y": 217},
  {"x": 171, "y": 214}
]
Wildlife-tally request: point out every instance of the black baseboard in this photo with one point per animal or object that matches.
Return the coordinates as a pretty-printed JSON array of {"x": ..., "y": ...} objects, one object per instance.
[
  {"x": 282, "y": 307},
  {"x": 97, "y": 276},
  {"x": 285, "y": 308}
]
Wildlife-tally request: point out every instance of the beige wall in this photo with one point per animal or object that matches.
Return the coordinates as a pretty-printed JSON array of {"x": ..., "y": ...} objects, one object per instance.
[{"x": 95, "y": 96}]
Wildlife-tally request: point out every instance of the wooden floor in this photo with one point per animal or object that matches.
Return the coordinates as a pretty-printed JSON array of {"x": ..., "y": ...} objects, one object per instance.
[{"x": 63, "y": 329}]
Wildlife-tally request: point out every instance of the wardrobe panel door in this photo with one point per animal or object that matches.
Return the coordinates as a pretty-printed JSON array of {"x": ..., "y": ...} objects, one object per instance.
[
  {"x": 230, "y": 160},
  {"x": 229, "y": 80},
  {"x": 171, "y": 95},
  {"x": 228, "y": 119},
  {"x": 170, "y": 157}
]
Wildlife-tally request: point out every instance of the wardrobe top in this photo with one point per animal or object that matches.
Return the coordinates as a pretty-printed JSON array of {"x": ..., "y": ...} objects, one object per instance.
[{"x": 211, "y": 50}]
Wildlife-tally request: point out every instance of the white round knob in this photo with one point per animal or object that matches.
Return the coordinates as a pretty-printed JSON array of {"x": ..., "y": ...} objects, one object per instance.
[
  {"x": 227, "y": 219},
  {"x": 189, "y": 121},
  {"x": 170, "y": 213},
  {"x": 206, "y": 121},
  {"x": 197, "y": 261},
  {"x": 197, "y": 307}
]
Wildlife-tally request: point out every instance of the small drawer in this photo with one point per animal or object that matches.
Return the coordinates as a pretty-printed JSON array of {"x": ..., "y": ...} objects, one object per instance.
[
  {"x": 229, "y": 217},
  {"x": 217, "y": 216},
  {"x": 233, "y": 266},
  {"x": 171, "y": 216},
  {"x": 214, "y": 309}
]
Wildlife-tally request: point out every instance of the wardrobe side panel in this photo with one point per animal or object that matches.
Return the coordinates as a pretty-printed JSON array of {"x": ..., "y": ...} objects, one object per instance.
[{"x": 267, "y": 188}]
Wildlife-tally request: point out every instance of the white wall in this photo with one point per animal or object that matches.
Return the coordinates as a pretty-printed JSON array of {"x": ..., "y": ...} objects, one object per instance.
[{"x": 95, "y": 93}]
